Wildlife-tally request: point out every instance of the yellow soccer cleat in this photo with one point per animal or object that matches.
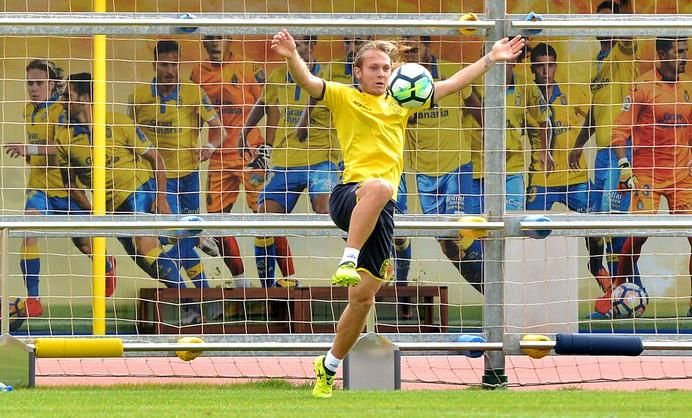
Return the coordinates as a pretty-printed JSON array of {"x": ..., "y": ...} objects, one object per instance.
[
  {"x": 324, "y": 381},
  {"x": 346, "y": 275}
]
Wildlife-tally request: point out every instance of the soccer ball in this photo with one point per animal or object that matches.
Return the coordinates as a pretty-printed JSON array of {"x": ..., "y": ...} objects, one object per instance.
[
  {"x": 629, "y": 300},
  {"x": 411, "y": 85}
]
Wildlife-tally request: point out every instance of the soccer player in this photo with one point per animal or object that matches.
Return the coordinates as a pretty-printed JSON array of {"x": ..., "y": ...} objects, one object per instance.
[
  {"x": 45, "y": 191},
  {"x": 371, "y": 130},
  {"x": 527, "y": 112},
  {"x": 342, "y": 72},
  {"x": 441, "y": 157},
  {"x": 130, "y": 160},
  {"x": 303, "y": 155},
  {"x": 171, "y": 114},
  {"x": 613, "y": 72},
  {"x": 657, "y": 116},
  {"x": 233, "y": 86},
  {"x": 568, "y": 108}
]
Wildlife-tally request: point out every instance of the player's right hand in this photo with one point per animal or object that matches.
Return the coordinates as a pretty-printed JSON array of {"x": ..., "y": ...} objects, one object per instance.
[
  {"x": 627, "y": 178},
  {"x": 263, "y": 155},
  {"x": 283, "y": 44},
  {"x": 16, "y": 150}
]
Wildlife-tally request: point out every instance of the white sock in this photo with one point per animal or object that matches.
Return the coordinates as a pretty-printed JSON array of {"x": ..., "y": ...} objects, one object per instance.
[
  {"x": 331, "y": 363},
  {"x": 241, "y": 281},
  {"x": 350, "y": 254}
]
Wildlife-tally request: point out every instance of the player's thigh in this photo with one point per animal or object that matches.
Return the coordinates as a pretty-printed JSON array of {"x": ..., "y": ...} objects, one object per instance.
[
  {"x": 322, "y": 178},
  {"x": 431, "y": 201},
  {"x": 183, "y": 194},
  {"x": 515, "y": 192},
  {"x": 375, "y": 256},
  {"x": 645, "y": 198},
  {"x": 402, "y": 196},
  {"x": 473, "y": 202},
  {"x": 222, "y": 189},
  {"x": 451, "y": 186},
  {"x": 141, "y": 200},
  {"x": 253, "y": 182},
  {"x": 538, "y": 198},
  {"x": 36, "y": 202},
  {"x": 577, "y": 197},
  {"x": 284, "y": 186},
  {"x": 680, "y": 197}
]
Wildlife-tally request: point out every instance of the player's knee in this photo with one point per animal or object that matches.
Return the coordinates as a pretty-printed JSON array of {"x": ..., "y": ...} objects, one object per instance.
[
  {"x": 320, "y": 204},
  {"x": 450, "y": 249},
  {"x": 361, "y": 300},
  {"x": 376, "y": 189}
]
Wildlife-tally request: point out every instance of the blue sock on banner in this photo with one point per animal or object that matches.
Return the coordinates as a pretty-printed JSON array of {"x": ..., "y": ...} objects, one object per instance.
[
  {"x": 31, "y": 269},
  {"x": 265, "y": 258}
]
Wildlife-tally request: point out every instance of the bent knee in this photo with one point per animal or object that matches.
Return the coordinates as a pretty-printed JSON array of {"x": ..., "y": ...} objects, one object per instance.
[
  {"x": 377, "y": 189},
  {"x": 362, "y": 301}
]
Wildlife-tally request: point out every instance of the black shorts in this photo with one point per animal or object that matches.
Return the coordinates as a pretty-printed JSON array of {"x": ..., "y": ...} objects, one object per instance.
[{"x": 375, "y": 256}]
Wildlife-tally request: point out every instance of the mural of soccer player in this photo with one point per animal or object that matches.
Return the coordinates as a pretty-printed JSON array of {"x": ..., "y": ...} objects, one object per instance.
[
  {"x": 568, "y": 108},
  {"x": 615, "y": 68},
  {"x": 171, "y": 114},
  {"x": 441, "y": 158},
  {"x": 130, "y": 160},
  {"x": 657, "y": 116},
  {"x": 342, "y": 72},
  {"x": 46, "y": 193},
  {"x": 233, "y": 85},
  {"x": 304, "y": 152}
]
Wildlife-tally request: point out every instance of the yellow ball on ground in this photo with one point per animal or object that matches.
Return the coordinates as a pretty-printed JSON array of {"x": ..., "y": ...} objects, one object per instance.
[
  {"x": 189, "y": 355},
  {"x": 535, "y": 352},
  {"x": 468, "y": 17}
]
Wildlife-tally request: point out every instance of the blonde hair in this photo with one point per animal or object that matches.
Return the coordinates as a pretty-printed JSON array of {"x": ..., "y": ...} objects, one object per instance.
[
  {"x": 55, "y": 74},
  {"x": 394, "y": 50}
]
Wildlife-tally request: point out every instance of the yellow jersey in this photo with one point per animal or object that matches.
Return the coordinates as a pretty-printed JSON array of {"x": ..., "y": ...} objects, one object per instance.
[
  {"x": 526, "y": 111},
  {"x": 434, "y": 136},
  {"x": 340, "y": 72},
  {"x": 125, "y": 169},
  {"x": 613, "y": 73},
  {"x": 371, "y": 131},
  {"x": 173, "y": 123},
  {"x": 41, "y": 121},
  {"x": 291, "y": 100},
  {"x": 568, "y": 109}
]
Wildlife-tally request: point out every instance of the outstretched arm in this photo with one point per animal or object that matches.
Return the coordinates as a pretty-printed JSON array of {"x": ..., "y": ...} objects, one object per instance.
[
  {"x": 284, "y": 45},
  {"x": 504, "y": 50}
]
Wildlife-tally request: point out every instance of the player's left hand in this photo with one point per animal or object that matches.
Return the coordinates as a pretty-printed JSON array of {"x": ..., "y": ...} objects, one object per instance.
[
  {"x": 627, "y": 178},
  {"x": 263, "y": 155},
  {"x": 507, "y": 49}
]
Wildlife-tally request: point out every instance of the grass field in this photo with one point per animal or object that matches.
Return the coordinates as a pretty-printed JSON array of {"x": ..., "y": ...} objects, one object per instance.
[{"x": 281, "y": 399}]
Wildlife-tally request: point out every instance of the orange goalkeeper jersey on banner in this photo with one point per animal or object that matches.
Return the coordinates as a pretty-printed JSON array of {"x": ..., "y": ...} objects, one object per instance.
[
  {"x": 233, "y": 88},
  {"x": 657, "y": 115}
]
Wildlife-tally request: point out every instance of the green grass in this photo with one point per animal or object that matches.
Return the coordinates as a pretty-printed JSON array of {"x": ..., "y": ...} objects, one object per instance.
[{"x": 280, "y": 399}]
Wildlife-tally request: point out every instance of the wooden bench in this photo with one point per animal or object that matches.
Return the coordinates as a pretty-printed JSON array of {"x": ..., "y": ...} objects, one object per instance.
[{"x": 303, "y": 310}]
